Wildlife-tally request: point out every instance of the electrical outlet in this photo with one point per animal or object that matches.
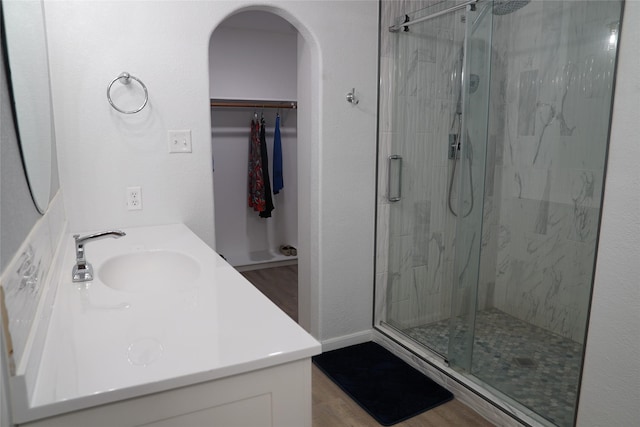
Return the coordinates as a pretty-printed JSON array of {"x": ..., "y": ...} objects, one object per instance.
[{"x": 134, "y": 198}]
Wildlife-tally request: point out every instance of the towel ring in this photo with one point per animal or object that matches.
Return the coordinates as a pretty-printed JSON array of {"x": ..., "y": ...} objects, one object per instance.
[{"x": 125, "y": 78}]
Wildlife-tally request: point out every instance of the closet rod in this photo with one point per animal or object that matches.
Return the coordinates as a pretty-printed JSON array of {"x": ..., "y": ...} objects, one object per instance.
[{"x": 233, "y": 103}]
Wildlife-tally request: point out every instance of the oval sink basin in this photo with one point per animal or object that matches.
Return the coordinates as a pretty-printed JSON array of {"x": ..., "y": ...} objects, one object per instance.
[{"x": 150, "y": 271}]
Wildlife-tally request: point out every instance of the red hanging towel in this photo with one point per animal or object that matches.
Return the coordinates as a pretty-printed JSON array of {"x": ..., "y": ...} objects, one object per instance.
[{"x": 256, "y": 181}]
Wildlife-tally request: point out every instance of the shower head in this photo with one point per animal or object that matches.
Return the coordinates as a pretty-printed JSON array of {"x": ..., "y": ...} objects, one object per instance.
[
  {"x": 498, "y": 8},
  {"x": 505, "y": 7}
]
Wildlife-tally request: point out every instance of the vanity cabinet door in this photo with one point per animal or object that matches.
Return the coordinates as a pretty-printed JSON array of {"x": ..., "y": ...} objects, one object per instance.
[{"x": 253, "y": 411}]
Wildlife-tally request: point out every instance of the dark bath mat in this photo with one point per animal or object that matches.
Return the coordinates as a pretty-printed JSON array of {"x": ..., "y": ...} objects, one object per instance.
[{"x": 386, "y": 387}]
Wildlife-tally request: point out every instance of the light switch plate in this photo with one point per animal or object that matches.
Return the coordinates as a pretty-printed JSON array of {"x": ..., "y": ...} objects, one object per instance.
[{"x": 180, "y": 141}]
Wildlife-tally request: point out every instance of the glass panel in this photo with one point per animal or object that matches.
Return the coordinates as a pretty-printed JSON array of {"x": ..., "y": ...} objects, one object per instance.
[
  {"x": 426, "y": 87},
  {"x": 488, "y": 256},
  {"x": 551, "y": 87},
  {"x": 469, "y": 169}
]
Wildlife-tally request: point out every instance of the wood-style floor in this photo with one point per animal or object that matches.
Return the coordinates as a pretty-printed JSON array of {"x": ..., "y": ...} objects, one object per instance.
[
  {"x": 279, "y": 284},
  {"x": 331, "y": 406}
]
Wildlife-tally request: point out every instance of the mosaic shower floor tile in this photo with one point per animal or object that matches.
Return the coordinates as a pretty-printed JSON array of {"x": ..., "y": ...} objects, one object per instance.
[{"x": 534, "y": 366}]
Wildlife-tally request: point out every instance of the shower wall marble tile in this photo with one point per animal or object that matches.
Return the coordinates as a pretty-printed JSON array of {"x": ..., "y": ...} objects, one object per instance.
[
  {"x": 527, "y": 102},
  {"x": 550, "y": 159}
]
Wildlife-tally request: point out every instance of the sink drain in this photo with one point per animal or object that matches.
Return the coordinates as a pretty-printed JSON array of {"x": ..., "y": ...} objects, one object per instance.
[{"x": 145, "y": 351}]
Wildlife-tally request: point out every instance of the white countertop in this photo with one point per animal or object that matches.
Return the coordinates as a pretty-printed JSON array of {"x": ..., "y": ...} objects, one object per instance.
[{"x": 105, "y": 345}]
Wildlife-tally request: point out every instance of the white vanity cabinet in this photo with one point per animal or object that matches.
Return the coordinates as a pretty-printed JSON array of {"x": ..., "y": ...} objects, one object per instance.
[
  {"x": 279, "y": 396},
  {"x": 160, "y": 350}
]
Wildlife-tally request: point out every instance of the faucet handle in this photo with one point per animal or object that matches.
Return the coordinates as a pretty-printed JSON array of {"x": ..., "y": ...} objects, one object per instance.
[{"x": 82, "y": 272}]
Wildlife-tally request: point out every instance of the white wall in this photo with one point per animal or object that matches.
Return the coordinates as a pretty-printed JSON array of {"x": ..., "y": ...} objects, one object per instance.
[
  {"x": 253, "y": 56},
  {"x": 610, "y": 393},
  {"x": 102, "y": 151},
  {"x": 165, "y": 43}
]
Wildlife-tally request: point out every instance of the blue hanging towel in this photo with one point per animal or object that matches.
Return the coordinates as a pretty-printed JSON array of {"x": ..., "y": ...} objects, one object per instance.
[{"x": 278, "y": 183}]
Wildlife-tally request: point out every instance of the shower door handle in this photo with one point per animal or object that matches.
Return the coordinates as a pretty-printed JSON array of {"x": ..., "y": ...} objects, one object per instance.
[{"x": 394, "y": 196}]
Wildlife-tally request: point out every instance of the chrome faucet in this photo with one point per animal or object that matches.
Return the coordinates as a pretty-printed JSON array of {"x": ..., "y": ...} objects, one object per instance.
[{"x": 83, "y": 271}]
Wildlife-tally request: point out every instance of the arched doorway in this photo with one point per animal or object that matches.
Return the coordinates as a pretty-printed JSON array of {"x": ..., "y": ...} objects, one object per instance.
[{"x": 251, "y": 56}]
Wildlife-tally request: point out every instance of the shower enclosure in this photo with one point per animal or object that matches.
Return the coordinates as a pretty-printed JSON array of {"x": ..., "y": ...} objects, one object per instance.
[{"x": 493, "y": 132}]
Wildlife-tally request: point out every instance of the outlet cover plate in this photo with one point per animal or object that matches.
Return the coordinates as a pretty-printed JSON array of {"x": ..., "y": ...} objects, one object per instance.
[
  {"x": 180, "y": 141},
  {"x": 134, "y": 198}
]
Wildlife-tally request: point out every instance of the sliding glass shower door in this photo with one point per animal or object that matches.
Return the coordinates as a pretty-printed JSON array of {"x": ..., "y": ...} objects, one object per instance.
[
  {"x": 424, "y": 88},
  {"x": 434, "y": 172},
  {"x": 493, "y": 136}
]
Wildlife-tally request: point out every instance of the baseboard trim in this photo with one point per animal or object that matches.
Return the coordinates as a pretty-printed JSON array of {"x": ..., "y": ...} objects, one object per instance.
[
  {"x": 347, "y": 340},
  {"x": 270, "y": 264}
]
